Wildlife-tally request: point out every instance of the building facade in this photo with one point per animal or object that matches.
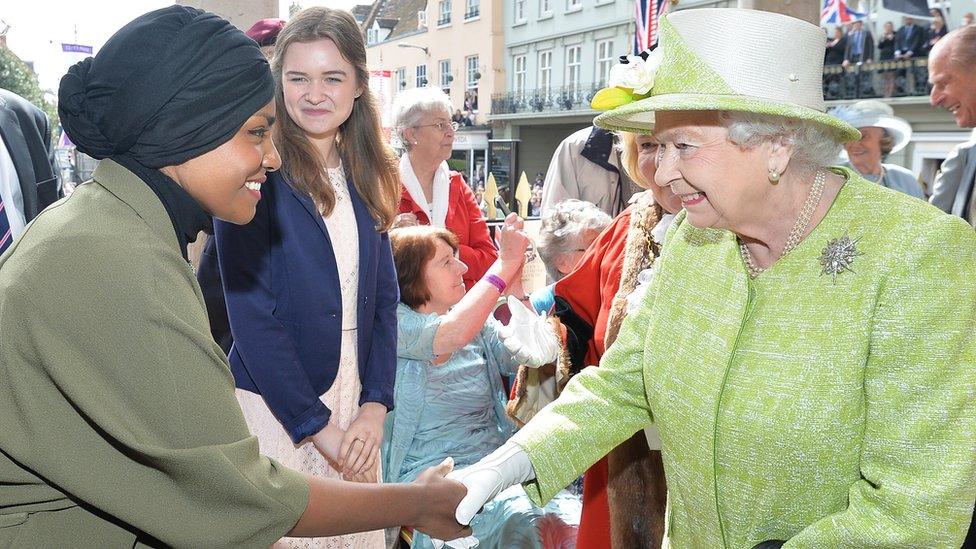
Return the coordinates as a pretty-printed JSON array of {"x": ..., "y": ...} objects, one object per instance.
[
  {"x": 456, "y": 45},
  {"x": 558, "y": 53}
]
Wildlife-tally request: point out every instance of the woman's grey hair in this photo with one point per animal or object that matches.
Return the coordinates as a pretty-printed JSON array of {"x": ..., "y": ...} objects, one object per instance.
[
  {"x": 411, "y": 105},
  {"x": 814, "y": 145},
  {"x": 562, "y": 227}
]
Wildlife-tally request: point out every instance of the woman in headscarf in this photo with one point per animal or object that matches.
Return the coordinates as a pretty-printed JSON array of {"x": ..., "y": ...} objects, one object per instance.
[
  {"x": 806, "y": 346},
  {"x": 118, "y": 423}
]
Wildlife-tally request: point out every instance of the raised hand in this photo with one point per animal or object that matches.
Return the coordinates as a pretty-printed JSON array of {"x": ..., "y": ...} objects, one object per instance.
[
  {"x": 512, "y": 241},
  {"x": 529, "y": 336}
]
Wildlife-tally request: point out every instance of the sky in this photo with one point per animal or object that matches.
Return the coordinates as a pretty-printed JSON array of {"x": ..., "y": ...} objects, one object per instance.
[{"x": 39, "y": 27}]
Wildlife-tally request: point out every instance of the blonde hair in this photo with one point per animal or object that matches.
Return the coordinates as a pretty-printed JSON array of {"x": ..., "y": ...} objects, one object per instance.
[
  {"x": 368, "y": 159},
  {"x": 629, "y": 156}
]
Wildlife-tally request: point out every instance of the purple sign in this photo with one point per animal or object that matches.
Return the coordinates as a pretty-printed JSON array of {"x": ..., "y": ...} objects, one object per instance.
[{"x": 76, "y": 48}]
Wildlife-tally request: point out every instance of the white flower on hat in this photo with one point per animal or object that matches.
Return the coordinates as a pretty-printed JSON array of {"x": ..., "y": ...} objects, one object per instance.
[{"x": 636, "y": 74}]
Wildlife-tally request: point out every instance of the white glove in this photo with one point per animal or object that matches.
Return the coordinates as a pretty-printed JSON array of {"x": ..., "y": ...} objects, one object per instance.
[
  {"x": 531, "y": 340},
  {"x": 506, "y": 466}
]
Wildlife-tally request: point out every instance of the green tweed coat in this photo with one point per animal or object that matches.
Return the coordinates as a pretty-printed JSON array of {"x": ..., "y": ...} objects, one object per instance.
[
  {"x": 118, "y": 422},
  {"x": 828, "y": 411}
]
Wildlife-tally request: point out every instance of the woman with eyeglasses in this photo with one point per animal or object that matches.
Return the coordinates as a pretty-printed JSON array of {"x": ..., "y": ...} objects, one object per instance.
[{"x": 432, "y": 193}]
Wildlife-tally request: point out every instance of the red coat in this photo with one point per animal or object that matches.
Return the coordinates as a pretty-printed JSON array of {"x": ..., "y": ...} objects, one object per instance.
[
  {"x": 464, "y": 219},
  {"x": 589, "y": 290}
]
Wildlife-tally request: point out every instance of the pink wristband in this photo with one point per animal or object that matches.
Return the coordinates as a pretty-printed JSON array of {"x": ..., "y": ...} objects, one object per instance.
[{"x": 496, "y": 281}]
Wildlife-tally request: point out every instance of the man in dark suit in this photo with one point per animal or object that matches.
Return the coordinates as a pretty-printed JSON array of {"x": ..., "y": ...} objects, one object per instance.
[
  {"x": 858, "y": 51},
  {"x": 860, "y": 45},
  {"x": 909, "y": 39},
  {"x": 27, "y": 176}
]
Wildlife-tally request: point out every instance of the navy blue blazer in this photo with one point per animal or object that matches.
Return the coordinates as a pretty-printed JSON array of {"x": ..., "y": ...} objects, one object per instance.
[{"x": 281, "y": 284}]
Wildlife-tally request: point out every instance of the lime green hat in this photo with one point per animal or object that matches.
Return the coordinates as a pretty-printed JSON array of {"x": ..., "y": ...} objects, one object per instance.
[{"x": 723, "y": 59}]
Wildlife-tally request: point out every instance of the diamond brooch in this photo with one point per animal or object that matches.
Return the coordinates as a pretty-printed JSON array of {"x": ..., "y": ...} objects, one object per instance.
[{"x": 838, "y": 255}]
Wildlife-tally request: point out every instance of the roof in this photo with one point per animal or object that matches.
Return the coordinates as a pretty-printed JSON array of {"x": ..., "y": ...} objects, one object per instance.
[
  {"x": 361, "y": 11},
  {"x": 398, "y": 15}
]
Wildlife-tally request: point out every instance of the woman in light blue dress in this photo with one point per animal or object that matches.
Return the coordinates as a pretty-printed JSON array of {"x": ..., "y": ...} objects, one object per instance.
[{"x": 449, "y": 400}]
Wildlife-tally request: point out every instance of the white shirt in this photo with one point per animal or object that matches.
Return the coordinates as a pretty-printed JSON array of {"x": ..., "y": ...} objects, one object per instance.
[{"x": 13, "y": 197}]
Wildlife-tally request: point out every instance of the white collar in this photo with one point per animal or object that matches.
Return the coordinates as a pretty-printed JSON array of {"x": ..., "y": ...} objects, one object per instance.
[{"x": 437, "y": 213}]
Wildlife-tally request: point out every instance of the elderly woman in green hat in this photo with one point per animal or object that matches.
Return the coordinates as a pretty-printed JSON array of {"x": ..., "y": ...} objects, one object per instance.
[{"x": 806, "y": 348}]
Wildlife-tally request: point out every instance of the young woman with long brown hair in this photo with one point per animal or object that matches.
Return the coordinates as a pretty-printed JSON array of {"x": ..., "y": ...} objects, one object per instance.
[{"x": 310, "y": 284}]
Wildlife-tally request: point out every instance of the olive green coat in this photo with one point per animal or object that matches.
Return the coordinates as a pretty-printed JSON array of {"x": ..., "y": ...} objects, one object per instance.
[
  {"x": 825, "y": 411},
  {"x": 118, "y": 422}
]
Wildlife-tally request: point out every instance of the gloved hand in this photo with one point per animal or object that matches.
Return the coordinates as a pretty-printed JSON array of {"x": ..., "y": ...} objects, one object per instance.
[
  {"x": 528, "y": 336},
  {"x": 506, "y": 466}
]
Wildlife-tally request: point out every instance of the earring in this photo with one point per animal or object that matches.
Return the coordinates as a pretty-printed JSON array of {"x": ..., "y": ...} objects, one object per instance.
[
  {"x": 774, "y": 176},
  {"x": 416, "y": 142}
]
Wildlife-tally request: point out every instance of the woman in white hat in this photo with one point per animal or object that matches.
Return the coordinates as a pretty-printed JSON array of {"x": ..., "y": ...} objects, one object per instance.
[
  {"x": 882, "y": 133},
  {"x": 805, "y": 348}
]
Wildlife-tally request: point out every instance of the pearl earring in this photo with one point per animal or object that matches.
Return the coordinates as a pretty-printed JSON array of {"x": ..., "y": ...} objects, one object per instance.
[{"x": 774, "y": 176}]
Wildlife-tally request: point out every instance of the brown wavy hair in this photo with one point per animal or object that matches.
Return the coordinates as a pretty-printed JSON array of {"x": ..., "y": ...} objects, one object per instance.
[
  {"x": 413, "y": 248},
  {"x": 365, "y": 154}
]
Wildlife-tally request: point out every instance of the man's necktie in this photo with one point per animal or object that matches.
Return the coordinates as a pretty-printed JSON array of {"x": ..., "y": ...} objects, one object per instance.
[{"x": 6, "y": 237}]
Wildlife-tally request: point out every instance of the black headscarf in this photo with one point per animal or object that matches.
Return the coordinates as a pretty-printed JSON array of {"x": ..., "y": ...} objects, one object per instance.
[{"x": 169, "y": 86}]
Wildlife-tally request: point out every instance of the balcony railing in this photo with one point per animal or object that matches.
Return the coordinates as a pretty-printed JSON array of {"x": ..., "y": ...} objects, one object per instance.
[
  {"x": 567, "y": 98},
  {"x": 472, "y": 13},
  {"x": 873, "y": 80},
  {"x": 446, "y": 20}
]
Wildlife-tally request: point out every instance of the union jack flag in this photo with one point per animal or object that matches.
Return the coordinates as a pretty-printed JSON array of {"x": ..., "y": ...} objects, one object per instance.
[
  {"x": 837, "y": 12},
  {"x": 649, "y": 14}
]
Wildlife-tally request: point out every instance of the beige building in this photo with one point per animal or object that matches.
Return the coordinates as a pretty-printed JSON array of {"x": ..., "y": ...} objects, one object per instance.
[
  {"x": 456, "y": 45},
  {"x": 241, "y": 14}
]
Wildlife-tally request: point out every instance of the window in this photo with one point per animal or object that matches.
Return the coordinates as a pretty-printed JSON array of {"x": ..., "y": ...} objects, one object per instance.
[
  {"x": 545, "y": 8},
  {"x": 545, "y": 70},
  {"x": 421, "y": 76},
  {"x": 604, "y": 60},
  {"x": 473, "y": 10},
  {"x": 574, "y": 5},
  {"x": 421, "y": 19},
  {"x": 472, "y": 75},
  {"x": 471, "y": 63},
  {"x": 445, "y": 13},
  {"x": 445, "y": 76},
  {"x": 519, "y": 65},
  {"x": 573, "y": 55},
  {"x": 372, "y": 36},
  {"x": 519, "y": 11},
  {"x": 401, "y": 79}
]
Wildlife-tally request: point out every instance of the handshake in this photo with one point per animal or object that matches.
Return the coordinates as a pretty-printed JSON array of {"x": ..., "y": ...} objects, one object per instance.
[{"x": 506, "y": 466}]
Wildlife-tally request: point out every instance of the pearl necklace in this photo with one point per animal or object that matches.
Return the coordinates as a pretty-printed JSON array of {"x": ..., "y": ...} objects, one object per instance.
[{"x": 800, "y": 227}]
